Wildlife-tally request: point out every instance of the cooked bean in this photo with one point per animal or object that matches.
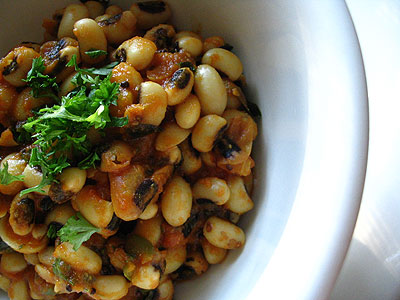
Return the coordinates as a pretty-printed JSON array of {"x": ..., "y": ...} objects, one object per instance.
[
  {"x": 95, "y": 9},
  {"x": 176, "y": 201},
  {"x": 196, "y": 262},
  {"x": 60, "y": 214},
  {"x": 150, "y": 212},
  {"x": 72, "y": 14},
  {"x": 96, "y": 210},
  {"x": 224, "y": 61},
  {"x": 22, "y": 214},
  {"x": 206, "y": 132},
  {"x": 179, "y": 86},
  {"x": 110, "y": 287},
  {"x": 138, "y": 52},
  {"x": 185, "y": 33},
  {"x": 151, "y": 13},
  {"x": 210, "y": 89},
  {"x": 223, "y": 234},
  {"x": 191, "y": 158},
  {"x": 239, "y": 201},
  {"x": 174, "y": 258},
  {"x": 8, "y": 94},
  {"x": 146, "y": 277},
  {"x": 90, "y": 37},
  {"x": 4, "y": 283},
  {"x": 118, "y": 27},
  {"x": 67, "y": 85},
  {"x": 19, "y": 290},
  {"x": 72, "y": 179},
  {"x": 32, "y": 259},
  {"x": 16, "y": 166},
  {"x": 187, "y": 113},
  {"x": 152, "y": 105},
  {"x": 213, "y": 255},
  {"x": 174, "y": 155},
  {"x": 113, "y": 10},
  {"x": 45, "y": 273},
  {"x": 15, "y": 65},
  {"x": 24, "y": 104},
  {"x": 249, "y": 183},
  {"x": 211, "y": 188},
  {"x": 13, "y": 262},
  {"x": 192, "y": 45},
  {"x": 32, "y": 176},
  {"x": 213, "y": 42},
  {"x": 39, "y": 231},
  {"x": 46, "y": 256},
  {"x": 162, "y": 35},
  {"x": 83, "y": 259},
  {"x": 117, "y": 157},
  {"x": 149, "y": 229},
  {"x": 170, "y": 136},
  {"x": 166, "y": 290}
]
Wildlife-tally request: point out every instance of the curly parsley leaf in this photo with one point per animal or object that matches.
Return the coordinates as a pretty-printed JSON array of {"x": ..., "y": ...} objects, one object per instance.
[
  {"x": 95, "y": 53},
  {"x": 77, "y": 231},
  {"x": 42, "y": 85},
  {"x": 6, "y": 177}
]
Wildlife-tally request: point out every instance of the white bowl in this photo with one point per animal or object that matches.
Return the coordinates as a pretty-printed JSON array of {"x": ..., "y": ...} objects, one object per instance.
[{"x": 304, "y": 69}]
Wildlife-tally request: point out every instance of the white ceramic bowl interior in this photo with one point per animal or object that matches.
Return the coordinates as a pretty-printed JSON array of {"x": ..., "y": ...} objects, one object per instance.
[{"x": 304, "y": 70}]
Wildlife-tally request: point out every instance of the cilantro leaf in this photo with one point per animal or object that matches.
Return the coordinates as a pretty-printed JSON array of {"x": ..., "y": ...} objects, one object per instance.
[
  {"x": 6, "y": 177},
  {"x": 95, "y": 53},
  {"x": 42, "y": 85},
  {"x": 76, "y": 231}
]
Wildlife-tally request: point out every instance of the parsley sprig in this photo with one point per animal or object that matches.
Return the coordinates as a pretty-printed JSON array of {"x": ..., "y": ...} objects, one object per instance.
[
  {"x": 95, "y": 53},
  {"x": 76, "y": 231},
  {"x": 60, "y": 131},
  {"x": 6, "y": 177}
]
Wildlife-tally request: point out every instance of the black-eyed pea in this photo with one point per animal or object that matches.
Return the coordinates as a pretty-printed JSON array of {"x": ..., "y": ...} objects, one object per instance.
[
  {"x": 22, "y": 214},
  {"x": 206, "y": 132},
  {"x": 72, "y": 179},
  {"x": 16, "y": 64},
  {"x": 126, "y": 75},
  {"x": 249, "y": 183},
  {"x": 149, "y": 212},
  {"x": 213, "y": 42},
  {"x": 16, "y": 166},
  {"x": 151, "y": 13},
  {"x": 45, "y": 273},
  {"x": 72, "y": 14},
  {"x": 19, "y": 290},
  {"x": 4, "y": 283},
  {"x": 191, "y": 159},
  {"x": 171, "y": 136},
  {"x": 166, "y": 290},
  {"x": 46, "y": 256},
  {"x": 174, "y": 258},
  {"x": 224, "y": 61},
  {"x": 33, "y": 177},
  {"x": 39, "y": 231},
  {"x": 83, "y": 259},
  {"x": 24, "y": 104},
  {"x": 67, "y": 85},
  {"x": 113, "y": 10},
  {"x": 176, "y": 201},
  {"x": 13, "y": 262},
  {"x": 162, "y": 35},
  {"x": 211, "y": 188},
  {"x": 90, "y": 37},
  {"x": 188, "y": 112},
  {"x": 95, "y": 9},
  {"x": 223, "y": 234},
  {"x": 32, "y": 259},
  {"x": 239, "y": 201},
  {"x": 210, "y": 89},
  {"x": 119, "y": 27},
  {"x": 174, "y": 155},
  {"x": 185, "y": 33},
  {"x": 60, "y": 214},
  {"x": 90, "y": 204},
  {"x": 213, "y": 255},
  {"x": 117, "y": 157},
  {"x": 137, "y": 51},
  {"x": 209, "y": 159},
  {"x": 149, "y": 229},
  {"x": 110, "y": 287},
  {"x": 179, "y": 86},
  {"x": 191, "y": 45},
  {"x": 146, "y": 277},
  {"x": 197, "y": 262},
  {"x": 8, "y": 94},
  {"x": 234, "y": 94}
]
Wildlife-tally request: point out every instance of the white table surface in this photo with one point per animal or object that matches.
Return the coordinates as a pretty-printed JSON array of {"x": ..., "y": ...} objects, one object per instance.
[{"x": 372, "y": 266}]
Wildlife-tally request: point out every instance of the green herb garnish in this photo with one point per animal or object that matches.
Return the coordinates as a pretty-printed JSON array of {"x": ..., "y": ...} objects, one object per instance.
[
  {"x": 52, "y": 232},
  {"x": 61, "y": 269},
  {"x": 6, "y": 177},
  {"x": 42, "y": 85},
  {"x": 76, "y": 231},
  {"x": 95, "y": 53},
  {"x": 60, "y": 132}
]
